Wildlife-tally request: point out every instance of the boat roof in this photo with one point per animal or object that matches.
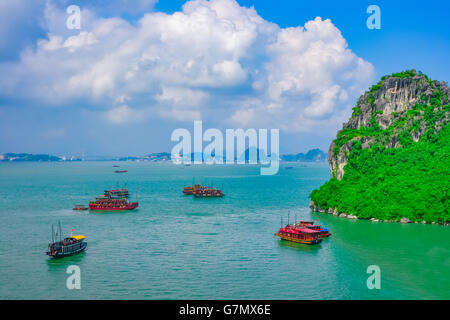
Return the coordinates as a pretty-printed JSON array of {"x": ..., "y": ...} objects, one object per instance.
[
  {"x": 78, "y": 237},
  {"x": 306, "y": 230}
]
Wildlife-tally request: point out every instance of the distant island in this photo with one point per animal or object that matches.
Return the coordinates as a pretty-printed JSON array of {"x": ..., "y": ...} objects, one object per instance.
[
  {"x": 390, "y": 162},
  {"x": 314, "y": 155},
  {"x": 24, "y": 157}
]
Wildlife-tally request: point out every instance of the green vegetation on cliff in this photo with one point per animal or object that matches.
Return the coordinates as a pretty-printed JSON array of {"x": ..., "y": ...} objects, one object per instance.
[{"x": 400, "y": 171}]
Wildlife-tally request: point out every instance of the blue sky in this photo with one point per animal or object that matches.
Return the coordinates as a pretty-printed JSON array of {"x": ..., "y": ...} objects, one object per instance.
[
  {"x": 139, "y": 69},
  {"x": 413, "y": 33}
]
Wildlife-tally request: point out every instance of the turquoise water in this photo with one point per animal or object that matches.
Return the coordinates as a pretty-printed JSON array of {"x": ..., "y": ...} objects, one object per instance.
[{"x": 178, "y": 247}]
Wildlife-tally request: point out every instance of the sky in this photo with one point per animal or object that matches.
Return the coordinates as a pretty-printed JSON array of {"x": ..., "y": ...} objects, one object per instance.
[{"x": 138, "y": 69}]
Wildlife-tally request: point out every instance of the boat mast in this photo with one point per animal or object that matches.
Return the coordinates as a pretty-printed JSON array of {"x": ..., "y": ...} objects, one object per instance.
[
  {"x": 59, "y": 223},
  {"x": 53, "y": 235}
]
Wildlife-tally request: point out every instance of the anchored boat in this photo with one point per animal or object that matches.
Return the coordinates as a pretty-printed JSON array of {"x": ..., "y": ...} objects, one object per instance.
[
  {"x": 200, "y": 191},
  {"x": 299, "y": 235},
  {"x": 113, "y": 200},
  {"x": 67, "y": 246}
]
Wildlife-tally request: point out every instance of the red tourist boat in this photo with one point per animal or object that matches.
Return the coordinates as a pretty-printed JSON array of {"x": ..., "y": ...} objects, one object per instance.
[
  {"x": 113, "y": 200},
  {"x": 299, "y": 235},
  {"x": 106, "y": 204},
  {"x": 323, "y": 232}
]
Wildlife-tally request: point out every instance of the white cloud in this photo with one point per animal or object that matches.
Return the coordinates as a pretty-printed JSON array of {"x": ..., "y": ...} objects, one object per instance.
[
  {"x": 212, "y": 60},
  {"x": 124, "y": 115}
]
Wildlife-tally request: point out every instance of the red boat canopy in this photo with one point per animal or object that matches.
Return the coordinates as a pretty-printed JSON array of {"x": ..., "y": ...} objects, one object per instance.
[{"x": 305, "y": 230}]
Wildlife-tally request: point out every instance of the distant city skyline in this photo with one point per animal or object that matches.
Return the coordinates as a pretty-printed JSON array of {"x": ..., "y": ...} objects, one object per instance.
[{"x": 132, "y": 74}]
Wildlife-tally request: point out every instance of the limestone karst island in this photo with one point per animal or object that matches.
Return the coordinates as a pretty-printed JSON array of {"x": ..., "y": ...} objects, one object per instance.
[{"x": 390, "y": 161}]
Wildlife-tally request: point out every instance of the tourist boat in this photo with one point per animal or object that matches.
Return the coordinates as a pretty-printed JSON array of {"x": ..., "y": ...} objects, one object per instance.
[
  {"x": 67, "y": 246},
  {"x": 299, "y": 235},
  {"x": 121, "y": 171},
  {"x": 80, "y": 207},
  {"x": 105, "y": 203},
  {"x": 200, "y": 191},
  {"x": 113, "y": 200},
  {"x": 208, "y": 193}
]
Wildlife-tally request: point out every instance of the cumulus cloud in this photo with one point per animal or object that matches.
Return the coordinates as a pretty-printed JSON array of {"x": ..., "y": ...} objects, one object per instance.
[{"x": 212, "y": 60}]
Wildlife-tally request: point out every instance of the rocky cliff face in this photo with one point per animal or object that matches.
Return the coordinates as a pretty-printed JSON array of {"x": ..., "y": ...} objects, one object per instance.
[{"x": 384, "y": 107}]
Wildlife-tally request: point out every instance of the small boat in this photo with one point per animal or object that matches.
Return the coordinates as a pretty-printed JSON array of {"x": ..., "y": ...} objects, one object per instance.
[
  {"x": 67, "y": 246},
  {"x": 116, "y": 166},
  {"x": 80, "y": 207},
  {"x": 299, "y": 235},
  {"x": 121, "y": 171}
]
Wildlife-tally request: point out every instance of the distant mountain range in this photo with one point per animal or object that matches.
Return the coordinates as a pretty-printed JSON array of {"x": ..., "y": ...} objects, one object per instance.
[
  {"x": 314, "y": 155},
  {"x": 26, "y": 157}
]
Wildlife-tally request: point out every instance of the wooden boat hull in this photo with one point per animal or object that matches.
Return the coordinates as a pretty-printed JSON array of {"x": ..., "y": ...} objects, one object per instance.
[
  {"x": 297, "y": 240},
  {"x": 59, "y": 255}
]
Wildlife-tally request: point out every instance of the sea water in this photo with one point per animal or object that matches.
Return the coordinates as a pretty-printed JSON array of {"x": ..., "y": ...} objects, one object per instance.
[{"x": 178, "y": 247}]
